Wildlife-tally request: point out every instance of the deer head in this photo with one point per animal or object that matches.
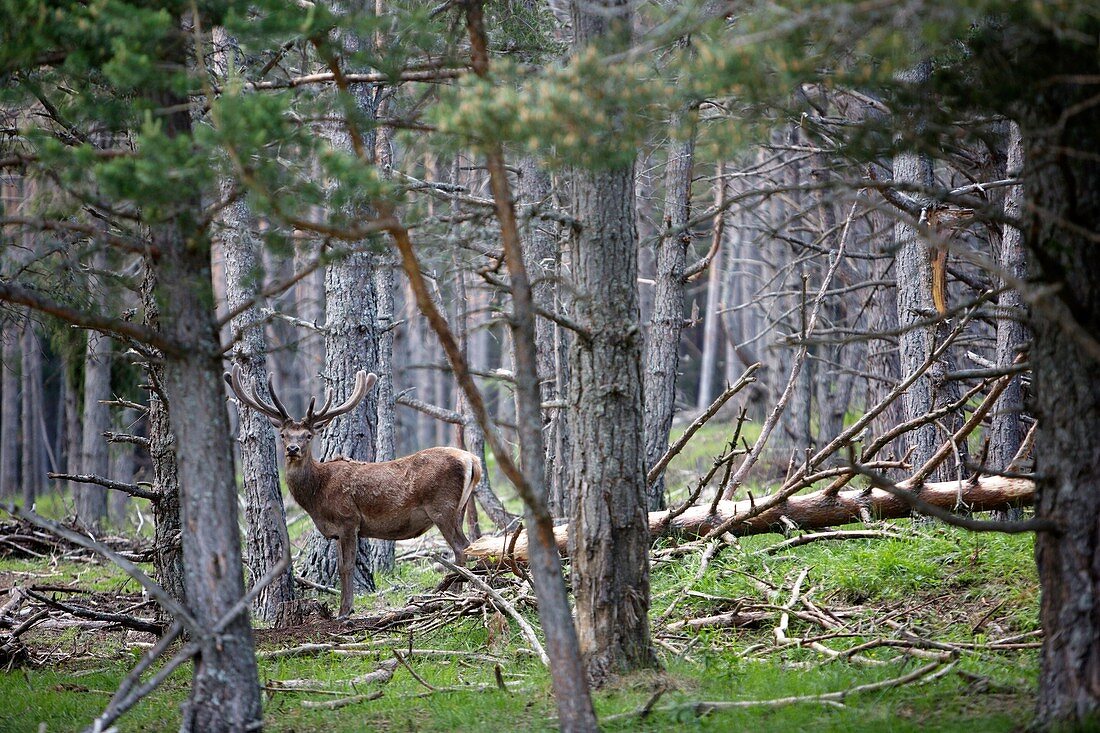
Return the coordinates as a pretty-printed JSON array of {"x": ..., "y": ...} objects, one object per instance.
[{"x": 297, "y": 434}]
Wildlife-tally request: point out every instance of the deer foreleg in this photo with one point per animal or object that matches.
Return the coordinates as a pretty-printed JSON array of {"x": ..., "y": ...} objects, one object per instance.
[{"x": 349, "y": 545}]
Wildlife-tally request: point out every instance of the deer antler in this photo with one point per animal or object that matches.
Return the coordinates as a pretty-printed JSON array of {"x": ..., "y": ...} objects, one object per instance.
[
  {"x": 276, "y": 413},
  {"x": 363, "y": 384}
]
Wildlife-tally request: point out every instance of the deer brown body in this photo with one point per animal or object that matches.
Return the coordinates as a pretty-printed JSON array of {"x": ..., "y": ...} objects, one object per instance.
[{"x": 389, "y": 500}]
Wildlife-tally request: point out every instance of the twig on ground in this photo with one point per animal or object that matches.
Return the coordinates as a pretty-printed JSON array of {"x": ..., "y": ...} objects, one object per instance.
[
  {"x": 130, "y": 622},
  {"x": 418, "y": 678},
  {"x": 923, "y": 674},
  {"x": 527, "y": 630}
]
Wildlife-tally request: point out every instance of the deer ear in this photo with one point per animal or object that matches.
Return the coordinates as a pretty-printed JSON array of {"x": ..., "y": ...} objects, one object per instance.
[{"x": 275, "y": 422}]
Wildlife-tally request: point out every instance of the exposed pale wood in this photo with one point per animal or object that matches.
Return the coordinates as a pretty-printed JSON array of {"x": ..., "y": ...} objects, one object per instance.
[{"x": 808, "y": 511}]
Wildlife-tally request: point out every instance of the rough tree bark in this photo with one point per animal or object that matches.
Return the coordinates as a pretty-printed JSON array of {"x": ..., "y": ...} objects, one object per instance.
[
  {"x": 883, "y": 362},
  {"x": 91, "y": 500},
  {"x": 70, "y": 398},
  {"x": 32, "y": 471},
  {"x": 1007, "y": 432},
  {"x": 1061, "y": 129},
  {"x": 662, "y": 343},
  {"x": 609, "y": 539},
  {"x": 225, "y": 692},
  {"x": 543, "y": 258},
  {"x": 9, "y": 407},
  {"x": 265, "y": 514},
  {"x": 353, "y": 341},
  {"x": 712, "y": 318},
  {"x": 167, "y": 529},
  {"x": 913, "y": 275}
]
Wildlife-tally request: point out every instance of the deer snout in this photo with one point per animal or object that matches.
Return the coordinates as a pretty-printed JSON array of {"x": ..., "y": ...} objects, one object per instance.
[{"x": 294, "y": 450}]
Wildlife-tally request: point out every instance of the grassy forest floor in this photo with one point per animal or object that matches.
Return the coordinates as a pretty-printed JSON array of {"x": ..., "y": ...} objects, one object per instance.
[{"x": 948, "y": 618}]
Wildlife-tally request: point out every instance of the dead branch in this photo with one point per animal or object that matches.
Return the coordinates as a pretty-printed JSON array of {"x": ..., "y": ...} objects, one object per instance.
[
  {"x": 340, "y": 702},
  {"x": 125, "y": 620},
  {"x": 381, "y": 675},
  {"x": 113, "y": 437},
  {"x": 743, "y": 381},
  {"x": 920, "y": 504},
  {"x": 170, "y": 604},
  {"x": 88, "y": 478},
  {"x": 927, "y": 673}
]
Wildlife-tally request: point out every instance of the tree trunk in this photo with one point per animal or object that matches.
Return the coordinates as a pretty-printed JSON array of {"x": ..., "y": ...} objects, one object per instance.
[
  {"x": 265, "y": 515},
  {"x": 543, "y": 258},
  {"x": 712, "y": 318},
  {"x": 883, "y": 363},
  {"x": 609, "y": 539},
  {"x": 225, "y": 692},
  {"x": 70, "y": 397},
  {"x": 167, "y": 530},
  {"x": 353, "y": 341},
  {"x": 10, "y": 406},
  {"x": 1008, "y": 429},
  {"x": 662, "y": 344},
  {"x": 32, "y": 464},
  {"x": 91, "y": 500},
  {"x": 913, "y": 272},
  {"x": 1063, "y": 190}
]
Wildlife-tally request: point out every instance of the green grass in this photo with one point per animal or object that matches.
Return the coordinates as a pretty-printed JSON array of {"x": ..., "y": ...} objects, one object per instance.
[{"x": 947, "y": 579}]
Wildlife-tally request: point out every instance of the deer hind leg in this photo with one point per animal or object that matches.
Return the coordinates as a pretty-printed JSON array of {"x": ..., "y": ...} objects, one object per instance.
[
  {"x": 450, "y": 525},
  {"x": 349, "y": 545}
]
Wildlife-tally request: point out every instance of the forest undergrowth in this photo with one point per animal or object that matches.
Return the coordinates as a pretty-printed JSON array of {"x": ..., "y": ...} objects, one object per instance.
[
  {"x": 914, "y": 626},
  {"x": 954, "y": 611}
]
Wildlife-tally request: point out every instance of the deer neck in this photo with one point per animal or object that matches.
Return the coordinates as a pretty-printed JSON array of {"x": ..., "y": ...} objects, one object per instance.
[{"x": 305, "y": 479}]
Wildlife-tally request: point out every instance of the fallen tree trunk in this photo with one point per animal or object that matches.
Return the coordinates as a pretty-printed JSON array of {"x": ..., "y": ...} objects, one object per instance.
[{"x": 806, "y": 511}]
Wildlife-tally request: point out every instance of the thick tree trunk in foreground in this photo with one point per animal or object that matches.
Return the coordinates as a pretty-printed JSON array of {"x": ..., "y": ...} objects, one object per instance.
[
  {"x": 225, "y": 692},
  {"x": 809, "y": 511},
  {"x": 1062, "y": 182},
  {"x": 610, "y": 542},
  {"x": 609, "y": 538}
]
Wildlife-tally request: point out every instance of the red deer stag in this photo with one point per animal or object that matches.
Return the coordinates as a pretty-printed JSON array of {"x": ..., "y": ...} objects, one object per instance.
[{"x": 390, "y": 500}]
